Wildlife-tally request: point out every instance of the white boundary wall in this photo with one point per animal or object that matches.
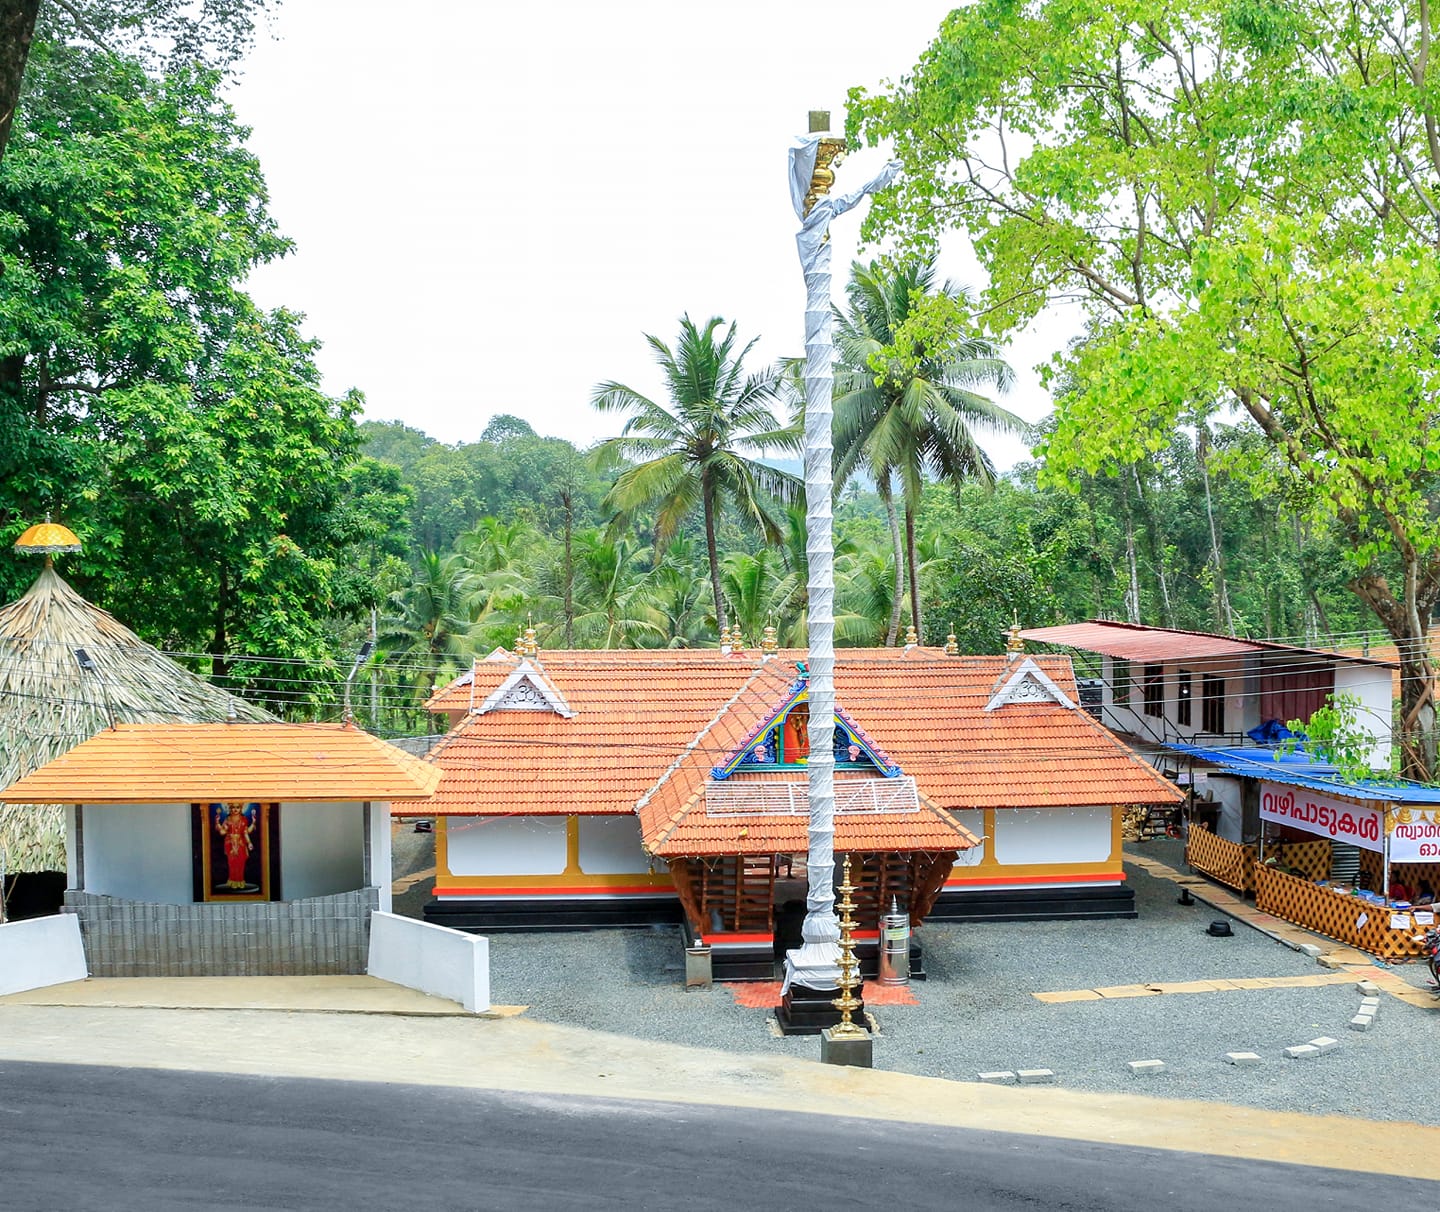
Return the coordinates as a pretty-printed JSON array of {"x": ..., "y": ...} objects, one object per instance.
[
  {"x": 433, "y": 959},
  {"x": 41, "y": 951}
]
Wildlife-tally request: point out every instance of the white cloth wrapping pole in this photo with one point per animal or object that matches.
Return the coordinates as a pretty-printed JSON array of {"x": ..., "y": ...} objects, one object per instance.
[{"x": 815, "y": 964}]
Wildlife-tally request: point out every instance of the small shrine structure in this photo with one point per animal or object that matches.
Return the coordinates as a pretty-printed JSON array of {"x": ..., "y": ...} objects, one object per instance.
[
  {"x": 52, "y": 698},
  {"x": 234, "y": 849}
]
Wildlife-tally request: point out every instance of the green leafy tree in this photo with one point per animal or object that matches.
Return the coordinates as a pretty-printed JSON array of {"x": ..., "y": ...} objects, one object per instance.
[
  {"x": 1244, "y": 199},
  {"x": 615, "y": 606},
  {"x": 143, "y": 395},
  {"x": 695, "y": 453},
  {"x": 216, "y": 35},
  {"x": 905, "y": 398},
  {"x": 430, "y": 625}
]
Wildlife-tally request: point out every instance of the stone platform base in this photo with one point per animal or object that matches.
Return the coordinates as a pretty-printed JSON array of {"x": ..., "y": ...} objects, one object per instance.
[
  {"x": 1033, "y": 904},
  {"x": 856, "y": 1050},
  {"x": 810, "y": 1011}
]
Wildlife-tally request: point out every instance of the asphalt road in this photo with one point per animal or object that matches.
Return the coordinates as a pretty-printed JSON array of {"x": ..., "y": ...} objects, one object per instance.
[{"x": 83, "y": 1137}]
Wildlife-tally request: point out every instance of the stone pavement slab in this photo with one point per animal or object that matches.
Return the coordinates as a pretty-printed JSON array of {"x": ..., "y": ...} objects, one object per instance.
[{"x": 336, "y": 994}]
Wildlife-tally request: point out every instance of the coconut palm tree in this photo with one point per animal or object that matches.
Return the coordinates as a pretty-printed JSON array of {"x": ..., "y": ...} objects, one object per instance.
[
  {"x": 694, "y": 452},
  {"x": 429, "y": 624},
  {"x": 906, "y": 407},
  {"x": 613, "y": 596}
]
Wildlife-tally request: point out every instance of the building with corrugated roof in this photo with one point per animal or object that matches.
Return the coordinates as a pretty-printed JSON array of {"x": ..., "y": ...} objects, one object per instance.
[
  {"x": 588, "y": 788},
  {"x": 1172, "y": 693}
]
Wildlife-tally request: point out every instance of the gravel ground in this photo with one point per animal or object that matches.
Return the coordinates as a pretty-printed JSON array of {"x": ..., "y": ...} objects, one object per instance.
[{"x": 976, "y": 1012}]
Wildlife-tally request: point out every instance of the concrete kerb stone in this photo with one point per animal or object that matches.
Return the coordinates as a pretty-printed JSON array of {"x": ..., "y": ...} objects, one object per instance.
[
  {"x": 1367, "y": 989},
  {"x": 1146, "y": 1068},
  {"x": 1242, "y": 1060},
  {"x": 1362, "y": 1022},
  {"x": 1034, "y": 1077},
  {"x": 1325, "y": 1044},
  {"x": 1310, "y": 949},
  {"x": 1302, "y": 1052},
  {"x": 998, "y": 1077}
]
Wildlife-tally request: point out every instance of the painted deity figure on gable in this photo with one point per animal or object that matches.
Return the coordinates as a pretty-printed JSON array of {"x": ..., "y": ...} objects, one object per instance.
[{"x": 795, "y": 749}]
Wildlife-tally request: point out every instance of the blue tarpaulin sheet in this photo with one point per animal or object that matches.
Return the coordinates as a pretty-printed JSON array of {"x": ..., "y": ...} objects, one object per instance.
[{"x": 1301, "y": 769}]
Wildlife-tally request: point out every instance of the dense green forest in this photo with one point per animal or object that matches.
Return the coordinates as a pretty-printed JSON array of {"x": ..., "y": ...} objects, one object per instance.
[{"x": 239, "y": 516}]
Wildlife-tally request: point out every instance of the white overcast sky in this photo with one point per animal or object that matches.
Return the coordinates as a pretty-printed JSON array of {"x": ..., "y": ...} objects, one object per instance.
[{"x": 492, "y": 202}]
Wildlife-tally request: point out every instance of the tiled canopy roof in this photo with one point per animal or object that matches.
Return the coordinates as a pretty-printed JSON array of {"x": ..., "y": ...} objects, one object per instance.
[
  {"x": 649, "y": 726},
  {"x": 186, "y": 763}
]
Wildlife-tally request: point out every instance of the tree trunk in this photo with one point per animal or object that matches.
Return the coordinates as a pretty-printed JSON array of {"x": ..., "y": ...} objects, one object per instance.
[
  {"x": 1407, "y": 619},
  {"x": 1132, "y": 594},
  {"x": 1225, "y": 615},
  {"x": 17, "y": 28},
  {"x": 1157, "y": 550},
  {"x": 721, "y": 622},
  {"x": 910, "y": 564},
  {"x": 219, "y": 662},
  {"x": 897, "y": 596},
  {"x": 569, "y": 502}
]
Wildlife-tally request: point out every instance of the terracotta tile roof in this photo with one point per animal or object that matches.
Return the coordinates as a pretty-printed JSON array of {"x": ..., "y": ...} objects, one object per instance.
[
  {"x": 187, "y": 763},
  {"x": 634, "y": 716},
  {"x": 649, "y": 726}
]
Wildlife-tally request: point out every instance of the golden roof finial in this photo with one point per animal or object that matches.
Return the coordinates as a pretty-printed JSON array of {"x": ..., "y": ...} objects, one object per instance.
[
  {"x": 770, "y": 643},
  {"x": 526, "y": 645},
  {"x": 1013, "y": 642},
  {"x": 725, "y": 638},
  {"x": 952, "y": 645},
  {"x": 49, "y": 539},
  {"x": 911, "y": 637}
]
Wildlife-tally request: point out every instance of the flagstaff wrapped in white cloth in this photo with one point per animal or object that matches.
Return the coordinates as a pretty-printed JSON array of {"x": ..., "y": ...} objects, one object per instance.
[{"x": 815, "y": 964}]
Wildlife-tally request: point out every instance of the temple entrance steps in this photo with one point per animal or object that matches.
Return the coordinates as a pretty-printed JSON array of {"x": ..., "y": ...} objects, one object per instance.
[{"x": 1033, "y": 904}]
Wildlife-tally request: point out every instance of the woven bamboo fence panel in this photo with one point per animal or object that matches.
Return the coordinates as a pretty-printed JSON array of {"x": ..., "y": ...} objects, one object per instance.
[
  {"x": 1343, "y": 918},
  {"x": 1228, "y": 862},
  {"x": 1311, "y": 858}
]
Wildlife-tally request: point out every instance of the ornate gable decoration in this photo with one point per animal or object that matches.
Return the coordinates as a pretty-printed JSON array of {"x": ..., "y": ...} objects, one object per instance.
[
  {"x": 1029, "y": 684},
  {"x": 783, "y": 740},
  {"x": 527, "y": 689}
]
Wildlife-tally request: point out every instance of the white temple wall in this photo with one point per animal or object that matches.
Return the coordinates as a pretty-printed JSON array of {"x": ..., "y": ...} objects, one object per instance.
[
  {"x": 506, "y": 845},
  {"x": 610, "y": 845},
  {"x": 973, "y": 819},
  {"x": 139, "y": 852},
  {"x": 322, "y": 849},
  {"x": 1053, "y": 835}
]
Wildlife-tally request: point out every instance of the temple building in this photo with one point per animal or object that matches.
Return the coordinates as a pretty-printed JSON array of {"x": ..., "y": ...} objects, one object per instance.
[{"x": 593, "y": 788}]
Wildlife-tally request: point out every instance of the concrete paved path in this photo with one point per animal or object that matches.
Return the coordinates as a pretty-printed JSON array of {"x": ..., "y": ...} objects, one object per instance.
[
  {"x": 1335, "y": 955},
  {"x": 514, "y": 1054},
  {"x": 339, "y": 994}
]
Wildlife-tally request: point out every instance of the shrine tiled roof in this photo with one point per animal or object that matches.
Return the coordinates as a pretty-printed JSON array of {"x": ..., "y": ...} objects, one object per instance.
[
  {"x": 648, "y": 728},
  {"x": 190, "y": 763}
]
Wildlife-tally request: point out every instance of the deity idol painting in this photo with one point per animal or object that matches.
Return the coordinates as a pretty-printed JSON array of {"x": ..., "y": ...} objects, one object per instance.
[{"x": 235, "y": 852}]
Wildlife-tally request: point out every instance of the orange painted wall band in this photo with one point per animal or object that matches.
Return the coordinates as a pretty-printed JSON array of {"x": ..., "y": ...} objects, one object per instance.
[
  {"x": 553, "y": 890},
  {"x": 1117, "y": 877}
]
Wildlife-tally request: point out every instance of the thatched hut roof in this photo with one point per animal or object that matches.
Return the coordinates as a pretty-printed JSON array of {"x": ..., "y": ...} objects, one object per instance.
[{"x": 48, "y": 704}]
